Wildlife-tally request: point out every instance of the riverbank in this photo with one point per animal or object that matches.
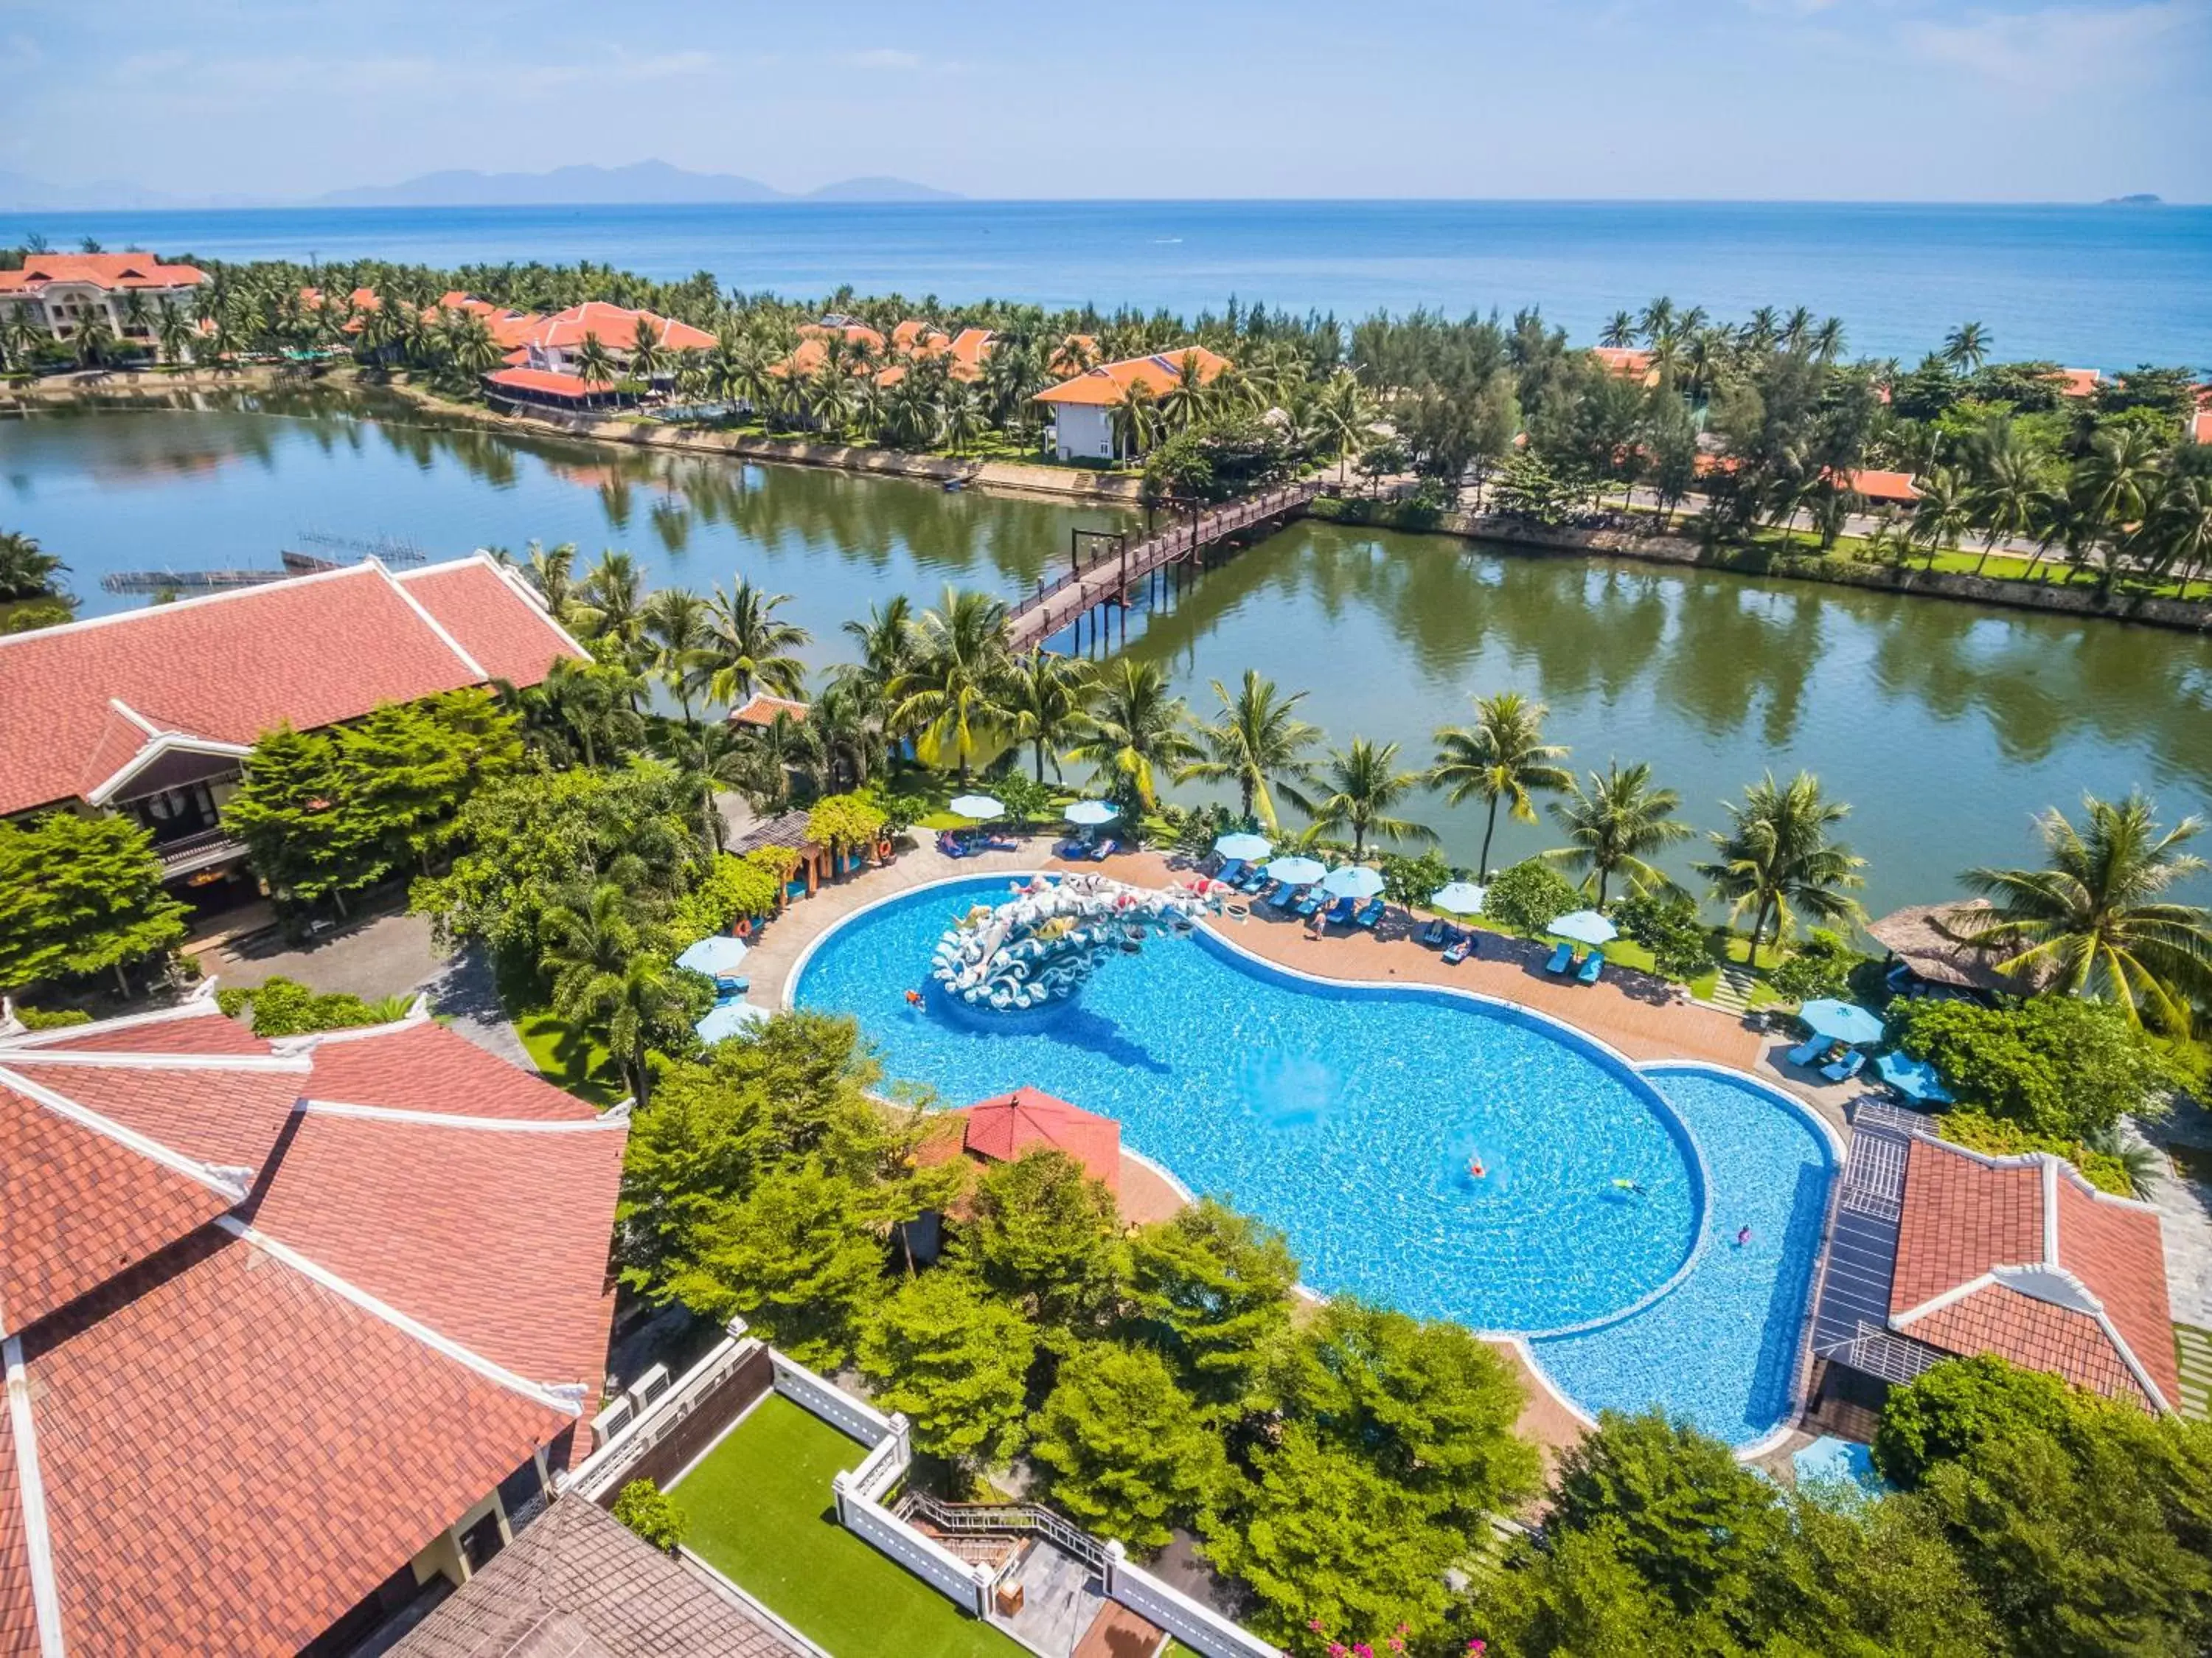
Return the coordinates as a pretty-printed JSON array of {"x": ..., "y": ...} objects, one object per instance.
[{"x": 2191, "y": 615}]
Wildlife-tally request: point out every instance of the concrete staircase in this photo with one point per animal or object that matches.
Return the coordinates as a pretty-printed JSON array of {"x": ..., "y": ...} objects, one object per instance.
[
  {"x": 2193, "y": 1347},
  {"x": 1732, "y": 990}
]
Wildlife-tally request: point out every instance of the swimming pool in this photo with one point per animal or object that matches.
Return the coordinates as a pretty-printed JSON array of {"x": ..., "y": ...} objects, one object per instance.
[{"x": 1347, "y": 1116}]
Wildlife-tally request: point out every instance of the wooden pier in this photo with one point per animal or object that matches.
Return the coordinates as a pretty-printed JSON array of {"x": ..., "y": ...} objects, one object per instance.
[{"x": 1110, "y": 578}]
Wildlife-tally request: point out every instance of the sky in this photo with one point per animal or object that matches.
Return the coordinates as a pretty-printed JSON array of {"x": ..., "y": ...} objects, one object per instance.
[{"x": 1881, "y": 100}]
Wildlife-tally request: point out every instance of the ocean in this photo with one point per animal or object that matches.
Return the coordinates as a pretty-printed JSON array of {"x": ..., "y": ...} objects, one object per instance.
[{"x": 2104, "y": 287}]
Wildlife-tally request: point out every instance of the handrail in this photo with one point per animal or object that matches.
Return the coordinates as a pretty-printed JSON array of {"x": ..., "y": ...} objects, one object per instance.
[{"x": 975, "y": 1519}]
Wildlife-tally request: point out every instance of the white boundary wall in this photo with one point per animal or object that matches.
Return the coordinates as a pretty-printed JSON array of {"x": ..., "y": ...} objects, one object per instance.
[
  {"x": 1198, "y": 1627},
  {"x": 604, "y": 1469},
  {"x": 839, "y": 1409},
  {"x": 938, "y": 1567}
]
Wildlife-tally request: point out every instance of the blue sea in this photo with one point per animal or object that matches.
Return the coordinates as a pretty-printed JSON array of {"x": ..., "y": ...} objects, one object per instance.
[{"x": 2090, "y": 286}]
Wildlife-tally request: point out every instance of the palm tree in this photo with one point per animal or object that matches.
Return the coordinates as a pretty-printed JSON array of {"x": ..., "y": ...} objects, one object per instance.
[
  {"x": 468, "y": 337},
  {"x": 1364, "y": 784},
  {"x": 1502, "y": 757},
  {"x": 1965, "y": 347},
  {"x": 1618, "y": 333},
  {"x": 955, "y": 693},
  {"x": 1614, "y": 827},
  {"x": 888, "y": 651},
  {"x": 2095, "y": 921},
  {"x": 549, "y": 573},
  {"x": 610, "y": 982},
  {"x": 1046, "y": 694},
  {"x": 1136, "y": 417},
  {"x": 26, "y": 569},
  {"x": 678, "y": 624},
  {"x": 2009, "y": 497},
  {"x": 1777, "y": 858},
  {"x": 2177, "y": 534},
  {"x": 1184, "y": 400},
  {"x": 610, "y": 600},
  {"x": 962, "y": 420},
  {"x": 595, "y": 364},
  {"x": 95, "y": 341},
  {"x": 2111, "y": 485},
  {"x": 1827, "y": 340},
  {"x": 1940, "y": 515},
  {"x": 1656, "y": 319},
  {"x": 648, "y": 358},
  {"x": 1343, "y": 414},
  {"x": 174, "y": 332},
  {"x": 1137, "y": 731},
  {"x": 591, "y": 702},
  {"x": 1260, "y": 743},
  {"x": 747, "y": 647}
]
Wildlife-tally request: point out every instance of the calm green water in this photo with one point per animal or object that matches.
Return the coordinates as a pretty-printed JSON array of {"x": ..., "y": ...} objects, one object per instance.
[{"x": 1944, "y": 725}]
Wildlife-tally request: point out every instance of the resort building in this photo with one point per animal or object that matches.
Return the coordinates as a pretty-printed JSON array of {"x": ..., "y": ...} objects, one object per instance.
[
  {"x": 761, "y": 711},
  {"x": 59, "y": 291},
  {"x": 1938, "y": 1251},
  {"x": 887, "y": 360},
  {"x": 1082, "y": 408},
  {"x": 541, "y": 365},
  {"x": 296, "y": 1333},
  {"x": 1882, "y": 489},
  {"x": 149, "y": 713},
  {"x": 1626, "y": 362},
  {"x": 2080, "y": 382}
]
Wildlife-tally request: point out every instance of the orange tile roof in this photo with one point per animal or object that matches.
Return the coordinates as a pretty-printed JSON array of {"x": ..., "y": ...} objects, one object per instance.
[
  {"x": 761, "y": 708},
  {"x": 427, "y": 1068},
  {"x": 311, "y": 651},
  {"x": 1885, "y": 486},
  {"x": 1105, "y": 384},
  {"x": 2080, "y": 382},
  {"x": 2200, "y": 427},
  {"x": 547, "y": 383},
  {"x": 2015, "y": 1256},
  {"x": 106, "y": 270},
  {"x": 478, "y": 602},
  {"x": 617, "y": 327},
  {"x": 1624, "y": 360}
]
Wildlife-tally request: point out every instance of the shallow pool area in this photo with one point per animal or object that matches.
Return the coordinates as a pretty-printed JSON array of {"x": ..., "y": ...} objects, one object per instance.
[{"x": 1354, "y": 1118}]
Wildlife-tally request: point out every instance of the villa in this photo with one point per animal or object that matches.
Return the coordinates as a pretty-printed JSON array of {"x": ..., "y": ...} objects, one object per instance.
[
  {"x": 1082, "y": 407},
  {"x": 886, "y": 360},
  {"x": 60, "y": 291},
  {"x": 542, "y": 360},
  {"x": 149, "y": 713},
  {"x": 1938, "y": 1251},
  {"x": 297, "y": 1333},
  {"x": 761, "y": 711},
  {"x": 1625, "y": 362}
]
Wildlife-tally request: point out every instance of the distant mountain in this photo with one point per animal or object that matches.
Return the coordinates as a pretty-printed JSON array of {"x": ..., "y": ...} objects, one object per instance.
[{"x": 646, "y": 183}]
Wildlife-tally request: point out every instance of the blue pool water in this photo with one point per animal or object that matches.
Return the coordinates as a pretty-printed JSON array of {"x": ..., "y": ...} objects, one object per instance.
[
  {"x": 1721, "y": 1348},
  {"x": 1346, "y": 1115}
]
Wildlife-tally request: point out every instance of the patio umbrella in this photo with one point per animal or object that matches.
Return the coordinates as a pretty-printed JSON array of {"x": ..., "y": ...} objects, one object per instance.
[
  {"x": 1296, "y": 871},
  {"x": 1829, "y": 1458},
  {"x": 1093, "y": 813},
  {"x": 1248, "y": 847},
  {"x": 979, "y": 807},
  {"x": 1462, "y": 897},
  {"x": 728, "y": 1019},
  {"x": 1353, "y": 881},
  {"x": 1840, "y": 1021},
  {"x": 1915, "y": 1079},
  {"x": 1584, "y": 927},
  {"x": 713, "y": 956}
]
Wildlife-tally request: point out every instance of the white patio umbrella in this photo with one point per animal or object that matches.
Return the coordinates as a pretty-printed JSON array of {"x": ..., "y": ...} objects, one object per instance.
[
  {"x": 1584, "y": 927},
  {"x": 1353, "y": 881},
  {"x": 979, "y": 807},
  {"x": 1241, "y": 845},
  {"x": 1296, "y": 871},
  {"x": 1462, "y": 897},
  {"x": 713, "y": 956},
  {"x": 1093, "y": 813}
]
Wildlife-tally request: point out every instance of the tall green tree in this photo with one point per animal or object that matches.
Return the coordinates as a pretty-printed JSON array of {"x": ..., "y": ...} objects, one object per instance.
[
  {"x": 1258, "y": 742},
  {"x": 1042, "y": 1230},
  {"x": 1138, "y": 732},
  {"x": 289, "y": 811},
  {"x": 1501, "y": 758},
  {"x": 80, "y": 894},
  {"x": 955, "y": 1362},
  {"x": 954, "y": 692},
  {"x": 1047, "y": 694},
  {"x": 1126, "y": 1452},
  {"x": 1615, "y": 825},
  {"x": 1361, "y": 786},
  {"x": 678, "y": 626},
  {"x": 1212, "y": 1289},
  {"x": 749, "y": 648},
  {"x": 1778, "y": 859}
]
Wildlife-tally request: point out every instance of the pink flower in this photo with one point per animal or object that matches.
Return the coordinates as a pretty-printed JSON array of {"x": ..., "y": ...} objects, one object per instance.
[
  {"x": 1477, "y": 1646},
  {"x": 1314, "y": 1623},
  {"x": 1365, "y": 1650},
  {"x": 1404, "y": 1629},
  {"x": 1336, "y": 1649},
  {"x": 1397, "y": 1643}
]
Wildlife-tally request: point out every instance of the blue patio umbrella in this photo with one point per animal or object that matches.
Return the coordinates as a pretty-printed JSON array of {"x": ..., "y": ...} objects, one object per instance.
[
  {"x": 728, "y": 1019},
  {"x": 1462, "y": 897},
  {"x": 1296, "y": 871},
  {"x": 1840, "y": 1021},
  {"x": 1584, "y": 927},
  {"x": 979, "y": 807},
  {"x": 1093, "y": 813},
  {"x": 1239, "y": 845},
  {"x": 1353, "y": 881},
  {"x": 715, "y": 956},
  {"x": 1829, "y": 1460},
  {"x": 1915, "y": 1079}
]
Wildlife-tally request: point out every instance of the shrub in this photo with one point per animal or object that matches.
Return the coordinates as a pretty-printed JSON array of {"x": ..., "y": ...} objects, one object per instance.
[
  {"x": 1680, "y": 945},
  {"x": 37, "y": 1018},
  {"x": 900, "y": 808},
  {"x": 1025, "y": 799},
  {"x": 845, "y": 821},
  {"x": 652, "y": 1513},
  {"x": 1978, "y": 1131},
  {"x": 733, "y": 886},
  {"x": 1411, "y": 880},
  {"x": 1529, "y": 896},
  {"x": 2053, "y": 1065},
  {"x": 284, "y": 1007},
  {"x": 1959, "y": 1404},
  {"x": 1821, "y": 966}
]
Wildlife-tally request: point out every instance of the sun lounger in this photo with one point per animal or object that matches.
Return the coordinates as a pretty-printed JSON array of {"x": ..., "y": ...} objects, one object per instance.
[
  {"x": 1561, "y": 960},
  {"x": 1104, "y": 850},
  {"x": 1808, "y": 1051},
  {"x": 1845, "y": 1068},
  {"x": 729, "y": 987},
  {"x": 1435, "y": 933},
  {"x": 1071, "y": 849},
  {"x": 1369, "y": 914},
  {"x": 1461, "y": 947},
  {"x": 1000, "y": 843},
  {"x": 1311, "y": 900},
  {"x": 1231, "y": 872},
  {"x": 1340, "y": 913},
  {"x": 1593, "y": 964},
  {"x": 1253, "y": 880}
]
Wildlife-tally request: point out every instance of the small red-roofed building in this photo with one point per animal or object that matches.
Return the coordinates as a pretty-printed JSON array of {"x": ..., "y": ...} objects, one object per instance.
[
  {"x": 761, "y": 709},
  {"x": 1082, "y": 407},
  {"x": 149, "y": 713},
  {"x": 1882, "y": 489},
  {"x": 369, "y": 1268},
  {"x": 1005, "y": 1128},
  {"x": 57, "y": 292},
  {"x": 2080, "y": 382},
  {"x": 1624, "y": 361}
]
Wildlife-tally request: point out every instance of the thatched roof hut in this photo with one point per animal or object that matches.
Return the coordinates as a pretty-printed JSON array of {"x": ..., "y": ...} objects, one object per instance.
[{"x": 1930, "y": 940}]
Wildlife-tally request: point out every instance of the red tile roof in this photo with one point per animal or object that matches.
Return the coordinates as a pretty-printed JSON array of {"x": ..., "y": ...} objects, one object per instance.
[
  {"x": 617, "y": 327},
  {"x": 310, "y": 651},
  {"x": 1000, "y": 1129},
  {"x": 546, "y": 383},
  {"x": 425, "y": 1067},
  {"x": 2200, "y": 427},
  {"x": 2080, "y": 382},
  {"x": 1105, "y": 384},
  {"x": 2015, "y": 1256},
  {"x": 761, "y": 708},
  {"x": 1887, "y": 486},
  {"x": 195, "y": 1028},
  {"x": 474, "y": 598},
  {"x": 1623, "y": 360},
  {"x": 18, "y": 1614},
  {"x": 109, "y": 270},
  {"x": 226, "y": 1119}
]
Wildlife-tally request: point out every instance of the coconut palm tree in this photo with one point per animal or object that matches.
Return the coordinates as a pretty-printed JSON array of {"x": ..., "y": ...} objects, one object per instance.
[
  {"x": 1135, "y": 415},
  {"x": 1343, "y": 414},
  {"x": 610, "y": 602},
  {"x": 595, "y": 364},
  {"x": 678, "y": 626},
  {"x": 173, "y": 330},
  {"x": 470, "y": 344},
  {"x": 1614, "y": 827},
  {"x": 1503, "y": 757},
  {"x": 1827, "y": 340},
  {"x": 888, "y": 651},
  {"x": 961, "y": 417},
  {"x": 94, "y": 342},
  {"x": 2111, "y": 485},
  {"x": 954, "y": 694},
  {"x": 1965, "y": 348},
  {"x": 1656, "y": 318},
  {"x": 1259, "y": 742},
  {"x": 1184, "y": 400},
  {"x": 2095, "y": 921},
  {"x": 648, "y": 358},
  {"x": 1364, "y": 784},
  {"x": 1047, "y": 695},
  {"x": 550, "y": 572},
  {"x": 1137, "y": 732},
  {"x": 1778, "y": 859},
  {"x": 1940, "y": 515},
  {"x": 622, "y": 1002},
  {"x": 2176, "y": 538},
  {"x": 747, "y": 647},
  {"x": 2009, "y": 497},
  {"x": 1618, "y": 333},
  {"x": 26, "y": 569}
]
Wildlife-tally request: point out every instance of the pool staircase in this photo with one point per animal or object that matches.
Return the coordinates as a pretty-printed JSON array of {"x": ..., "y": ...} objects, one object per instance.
[
  {"x": 2193, "y": 1349},
  {"x": 1732, "y": 990}
]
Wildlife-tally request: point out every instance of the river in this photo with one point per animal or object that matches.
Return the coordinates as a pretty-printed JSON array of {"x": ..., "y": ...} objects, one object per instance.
[{"x": 1946, "y": 725}]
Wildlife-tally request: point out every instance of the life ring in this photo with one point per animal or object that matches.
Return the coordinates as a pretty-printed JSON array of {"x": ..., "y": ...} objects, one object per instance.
[
  {"x": 742, "y": 928},
  {"x": 883, "y": 852}
]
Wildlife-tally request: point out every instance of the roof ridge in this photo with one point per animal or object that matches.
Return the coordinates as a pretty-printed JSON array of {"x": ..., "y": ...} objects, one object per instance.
[
  {"x": 112, "y": 1060},
  {"x": 221, "y": 1181},
  {"x": 115, "y": 618},
  {"x": 616, "y": 1116},
  {"x": 31, "y": 1493},
  {"x": 199, "y": 1006},
  {"x": 474, "y": 666}
]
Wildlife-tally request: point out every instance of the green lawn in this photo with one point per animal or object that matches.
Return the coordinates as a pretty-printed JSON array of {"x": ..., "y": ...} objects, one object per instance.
[
  {"x": 761, "y": 1513},
  {"x": 567, "y": 1059}
]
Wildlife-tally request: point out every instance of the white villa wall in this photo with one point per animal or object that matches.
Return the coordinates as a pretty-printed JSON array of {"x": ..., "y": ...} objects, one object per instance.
[
  {"x": 935, "y": 1565},
  {"x": 841, "y": 1410},
  {"x": 1083, "y": 431},
  {"x": 1198, "y": 1627}
]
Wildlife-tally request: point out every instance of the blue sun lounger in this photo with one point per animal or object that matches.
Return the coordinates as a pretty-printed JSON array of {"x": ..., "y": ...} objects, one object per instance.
[
  {"x": 1845, "y": 1068},
  {"x": 1340, "y": 913},
  {"x": 1810, "y": 1050},
  {"x": 1252, "y": 881},
  {"x": 1103, "y": 849},
  {"x": 1369, "y": 914},
  {"x": 1437, "y": 932},
  {"x": 1593, "y": 964},
  {"x": 1561, "y": 959},
  {"x": 1232, "y": 872},
  {"x": 1461, "y": 947},
  {"x": 1310, "y": 900}
]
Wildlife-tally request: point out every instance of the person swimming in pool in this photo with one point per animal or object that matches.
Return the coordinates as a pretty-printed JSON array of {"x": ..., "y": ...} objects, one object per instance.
[
  {"x": 1475, "y": 1171},
  {"x": 1742, "y": 1236},
  {"x": 913, "y": 998},
  {"x": 1622, "y": 1183}
]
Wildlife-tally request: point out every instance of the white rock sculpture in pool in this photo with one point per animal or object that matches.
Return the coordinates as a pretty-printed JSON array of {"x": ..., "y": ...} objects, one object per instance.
[{"x": 1039, "y": 945}]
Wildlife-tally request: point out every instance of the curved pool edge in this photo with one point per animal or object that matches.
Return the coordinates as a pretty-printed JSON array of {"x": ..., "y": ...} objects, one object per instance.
[{"x": 1573, "y": 1036}]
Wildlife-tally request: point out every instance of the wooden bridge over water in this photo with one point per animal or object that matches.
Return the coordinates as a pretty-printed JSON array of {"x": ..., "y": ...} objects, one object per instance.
[{"x": 1110, "y": 578}]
